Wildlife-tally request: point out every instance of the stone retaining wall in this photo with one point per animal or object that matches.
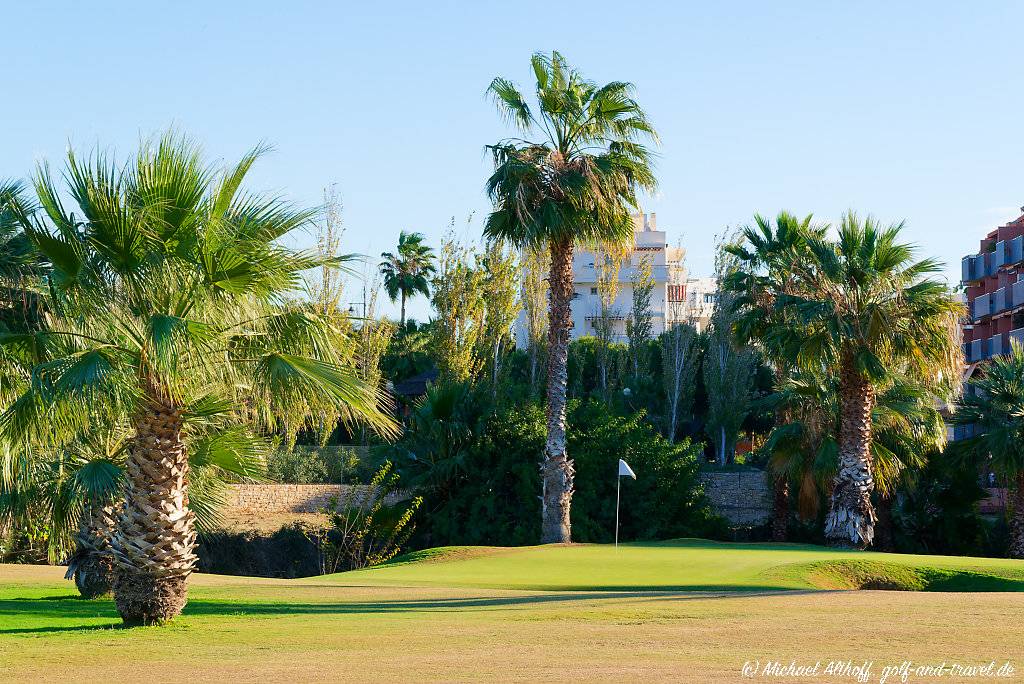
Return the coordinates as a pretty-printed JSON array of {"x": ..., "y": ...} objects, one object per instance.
[
  {"x": 744, "y": 498},
  {"x": 294, "y": 498}
]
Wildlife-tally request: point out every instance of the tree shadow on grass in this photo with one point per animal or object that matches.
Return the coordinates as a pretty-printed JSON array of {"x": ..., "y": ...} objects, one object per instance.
[{"x": 64, "y": 608}]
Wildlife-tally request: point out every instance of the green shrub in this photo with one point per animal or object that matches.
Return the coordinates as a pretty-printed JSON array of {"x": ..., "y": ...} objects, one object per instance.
[
  {"x": 286, "y": 553},
  {"x": 366, "y": 531},
  {"x": 664, "y": 502},
  {"x": 313, "y": 465},
  {"x": 479, "y": 473}
]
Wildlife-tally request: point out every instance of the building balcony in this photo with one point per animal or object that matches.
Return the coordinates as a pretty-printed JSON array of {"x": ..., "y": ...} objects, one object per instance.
[
  {"x": 981, "y": 306},
  {"x": 1017, "y": 293},
  {"x": 963, "y": 432},
  {"x": 1015, "y": 250},
  {"x": 997, "y": 346},
  {"x": 970, "y": 270},
  {"x": 1007, "y": 298},
  {"x": 975, "y": 350},
  {"x": 999, "y": 256},
  {"x": 1015, "y": 335}
]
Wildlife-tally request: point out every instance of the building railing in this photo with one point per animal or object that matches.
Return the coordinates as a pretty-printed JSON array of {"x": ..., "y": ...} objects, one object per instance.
[
  {"x": 1017, "y": 335},
  {"x": 1015, "y": 250},
  {"x": 982, "y": 306},
  {"x": 975, "y": 350},
  {"x": 999, "y": 299},
  {"x": 997, "y": 346}
]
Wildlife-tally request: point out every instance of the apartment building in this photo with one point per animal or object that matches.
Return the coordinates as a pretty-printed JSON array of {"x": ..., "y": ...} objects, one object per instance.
[
  {"x": 993, "y": 281},
  {"x": 677, "y": 297}
]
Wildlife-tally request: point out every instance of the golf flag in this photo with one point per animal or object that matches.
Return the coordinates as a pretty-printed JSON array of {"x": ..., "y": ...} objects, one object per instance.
[{"x": 624, "y": 469}]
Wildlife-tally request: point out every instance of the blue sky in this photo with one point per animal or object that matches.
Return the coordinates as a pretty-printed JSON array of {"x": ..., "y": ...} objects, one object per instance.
[{"x": 911, "y": 112}]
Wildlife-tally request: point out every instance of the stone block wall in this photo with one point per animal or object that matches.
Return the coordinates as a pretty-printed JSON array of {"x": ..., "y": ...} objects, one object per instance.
[
  {"x": 294, "y": 498},
  {"x": 744, "y": 497}
]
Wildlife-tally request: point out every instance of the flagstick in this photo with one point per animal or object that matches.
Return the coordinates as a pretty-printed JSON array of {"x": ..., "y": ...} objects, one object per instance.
[{"x": 618, "y": 485}]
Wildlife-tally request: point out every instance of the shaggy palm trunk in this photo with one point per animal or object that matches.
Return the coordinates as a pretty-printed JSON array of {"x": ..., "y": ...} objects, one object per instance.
[
  {"x": 92, "y": 565},
  {"x": 155, "y": 541},
  {"x": 851, "y": 518},
  {"x": 402, "y": 326},
  {"x": 1017, "y": 522},
  {"x": 780, "y": 509},
  {"x": 557, "y": 469}
]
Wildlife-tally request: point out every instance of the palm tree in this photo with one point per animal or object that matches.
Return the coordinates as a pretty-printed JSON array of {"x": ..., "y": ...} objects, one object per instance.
[
  {"x": 766, "y": 258},
  {"x": 169, "y": 294},
  {"x": 575, "y": 182},
  {"x": 995, "y": 409},
  {"x": 408, "y": 272},
  {"x": 803, "y": 451},
  {"x": 859, "y": 305}
]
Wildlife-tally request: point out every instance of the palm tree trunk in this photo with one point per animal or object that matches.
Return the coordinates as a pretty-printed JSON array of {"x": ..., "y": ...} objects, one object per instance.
[
  {"x": 780, "y": 509},
  {"x": 92, "y": 565},
  {"x": 1017, "y": 522},
  {"x": 557, "y": 468},
  {"x": 155, "y": 541},
  {"x": 851, "y": 517},
  {"x": 402, "y": 326}
]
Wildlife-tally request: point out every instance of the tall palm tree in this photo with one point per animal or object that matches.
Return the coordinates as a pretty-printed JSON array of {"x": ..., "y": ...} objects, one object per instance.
[
  {"x": 169, "y": 295},
  {"x": 573, "y": 179},
  {"x": 995, "y": 407},
  {"x": 408, "y": 272},
  {"x": 861, "y": 305}
]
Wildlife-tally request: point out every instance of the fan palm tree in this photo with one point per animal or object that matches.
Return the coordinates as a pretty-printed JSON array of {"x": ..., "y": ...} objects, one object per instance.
[
  {"x": 860, "y": 305},
  {"x": 995, "y": 407},
  {"x": 408, "y": 272},
  {"x": 803, "y": 451},
  {"x": 767, "y": 257},
  {"x": 169, "y": 295},
  {"x": 575, "y": 180}
]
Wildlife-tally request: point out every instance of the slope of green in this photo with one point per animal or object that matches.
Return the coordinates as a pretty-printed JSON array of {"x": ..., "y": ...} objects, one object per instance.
[
  {"x": 688, "y": 565},
  {"x": 440, "y": 615}
]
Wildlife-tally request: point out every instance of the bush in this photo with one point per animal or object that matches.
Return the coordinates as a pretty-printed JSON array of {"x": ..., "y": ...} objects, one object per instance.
[
  {"x": 477, "y": 470},
  {"x": 664, "y": 502},
  {"x": 313, "y": 465},
  {"x": 479, "y": 473},
  {"x": 366, "y": 531},
  {"x": 939, "y": 514},
  {"x": 286, "y": 553}
]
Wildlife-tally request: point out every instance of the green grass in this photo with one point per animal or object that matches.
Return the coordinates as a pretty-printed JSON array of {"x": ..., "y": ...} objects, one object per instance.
[
  {"x": 689, "y": 610},
  {"x": 690, "y": 565}
]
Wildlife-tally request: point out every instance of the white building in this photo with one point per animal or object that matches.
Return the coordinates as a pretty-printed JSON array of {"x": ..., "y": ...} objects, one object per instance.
[{"x": 676, "y": 298}]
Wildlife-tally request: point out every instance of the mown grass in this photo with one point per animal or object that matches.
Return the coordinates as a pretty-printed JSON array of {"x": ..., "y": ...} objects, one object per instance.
[
  {"x": 690, "y": 565},
  {"x": 580, "y": 613}
]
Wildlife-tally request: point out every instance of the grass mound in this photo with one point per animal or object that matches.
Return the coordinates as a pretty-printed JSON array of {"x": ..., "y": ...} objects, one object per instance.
[
  {"x": 687, "y": 565},
  {"x": 866, "y": 574}
]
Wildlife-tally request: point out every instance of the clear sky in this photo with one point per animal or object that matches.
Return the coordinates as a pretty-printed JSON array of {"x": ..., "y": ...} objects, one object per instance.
[{"x": 912, "y": 112}]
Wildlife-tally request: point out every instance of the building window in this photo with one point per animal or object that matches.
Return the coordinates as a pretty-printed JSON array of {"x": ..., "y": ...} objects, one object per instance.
[{"x": 709, "y": 298}]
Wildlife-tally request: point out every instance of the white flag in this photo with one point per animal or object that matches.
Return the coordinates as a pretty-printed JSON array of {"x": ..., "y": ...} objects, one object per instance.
[{"x": 624, "y": 469}]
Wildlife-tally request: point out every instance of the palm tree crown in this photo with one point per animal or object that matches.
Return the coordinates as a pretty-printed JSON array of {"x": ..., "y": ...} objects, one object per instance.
[{"x": 408, "y": 272}]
